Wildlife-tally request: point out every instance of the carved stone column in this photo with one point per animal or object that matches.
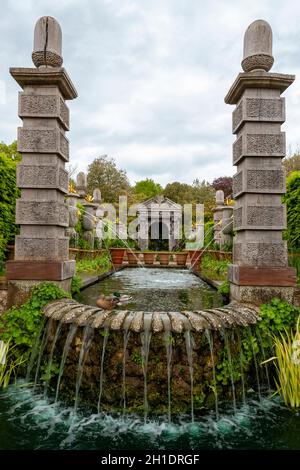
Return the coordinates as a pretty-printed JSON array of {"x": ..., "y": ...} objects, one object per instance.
[
  {"x": 218, "y": 216},
  {"x": 260, "y": 265},
  {"x": 42, "y": 249}
]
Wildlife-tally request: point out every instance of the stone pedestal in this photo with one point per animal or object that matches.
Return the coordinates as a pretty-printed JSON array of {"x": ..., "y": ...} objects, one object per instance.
[
  {"x": 42, "y": 249},
  {"x": 260, "y": 267}
]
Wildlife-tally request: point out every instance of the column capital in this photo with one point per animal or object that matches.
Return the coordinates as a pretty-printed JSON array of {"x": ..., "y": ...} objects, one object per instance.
[
  {"x": 26, "y": 76},
  {"x": 258, "y": 79}
]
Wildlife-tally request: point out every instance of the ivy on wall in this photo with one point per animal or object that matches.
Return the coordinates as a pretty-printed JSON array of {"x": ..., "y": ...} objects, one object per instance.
[
  {"x": 9, "y": 192},
  {"x": 292, "y": 200}
]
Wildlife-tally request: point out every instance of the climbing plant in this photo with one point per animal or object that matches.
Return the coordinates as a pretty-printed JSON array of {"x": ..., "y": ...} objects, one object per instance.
[
  {"x": 8, "y": 195},
  {"x": 292, "y": 200}
]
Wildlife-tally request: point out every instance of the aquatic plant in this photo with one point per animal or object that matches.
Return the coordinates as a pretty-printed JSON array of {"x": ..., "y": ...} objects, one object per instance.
[
  {"x": 287, "y": 363},
  {"x": 8, "y": 367}
]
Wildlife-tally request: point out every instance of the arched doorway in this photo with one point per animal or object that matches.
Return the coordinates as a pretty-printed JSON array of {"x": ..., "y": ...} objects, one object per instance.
[{"x": 159, "y": 235}]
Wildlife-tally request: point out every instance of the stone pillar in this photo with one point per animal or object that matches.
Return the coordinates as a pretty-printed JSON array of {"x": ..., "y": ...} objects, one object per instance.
[
  {"x": 260, "y": 266},
  {"x": 89, "y": 223},
  {"x": 42, "y": 249},
  {"x": 97, "y": 212},
  {"x": 97, "y": 196},
  {"x": 227, "y": 226},
  {"x": 81, "y": 186},
  {"x": 218, "y": 216},
  {"x": 72, "y": 199}
]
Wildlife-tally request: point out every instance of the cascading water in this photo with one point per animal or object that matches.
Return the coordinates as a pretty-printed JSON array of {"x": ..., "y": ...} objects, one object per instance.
[
  {"x": 253, "y": 344},
  {"x": 45, "y": 339},
  {"x": 239, "y": 343},
  {"x": 70, "y": 337},
  {"x": 126, "y": 338},
  {"x": 168, "y": 344},
  {"x": 35, "y": 350},
  {"x": 145, "y": 340},
  {"x": 228, "y": 351},
  {"x": 189, "y": 352},
  {"x": 105, "y": 338},
  {"x": 211, "y": 348},
  {"x": 86, "y": 342},
  {"x": 48, "y": 370}
]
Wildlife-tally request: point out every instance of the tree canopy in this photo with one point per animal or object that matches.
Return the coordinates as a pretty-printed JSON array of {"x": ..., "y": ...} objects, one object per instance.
[
  {"x": 224, "y": 183},
  {"x": 147, "y": 188},
  {"x": 292, "y": 163},
  {"x": 104, "y": 174}
]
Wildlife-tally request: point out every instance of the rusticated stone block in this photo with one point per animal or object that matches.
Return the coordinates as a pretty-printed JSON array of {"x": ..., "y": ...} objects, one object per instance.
[
  {"x": 43, "y": 140},
  {"x": 42, "y": 176},
  {"x": 259, "y": 218},
  {"x": 50, "y": 106},
  {"x": 258, "y": 295},
  {"x": 260, "y": 254},
  {"x": 41, "y": 213},
  {"x": 41, "y": 248},
  {"x": 258, "y": 145},
  {"x": 258, "y": 180},
  {"x": 258, "y": 110}
]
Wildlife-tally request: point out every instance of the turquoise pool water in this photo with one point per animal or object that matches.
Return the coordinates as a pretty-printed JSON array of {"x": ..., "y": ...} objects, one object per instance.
[{"x": 28, "y": 421}]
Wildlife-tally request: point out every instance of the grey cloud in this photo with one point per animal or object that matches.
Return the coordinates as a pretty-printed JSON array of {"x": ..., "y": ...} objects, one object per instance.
[{"x": 151, "y": 77}]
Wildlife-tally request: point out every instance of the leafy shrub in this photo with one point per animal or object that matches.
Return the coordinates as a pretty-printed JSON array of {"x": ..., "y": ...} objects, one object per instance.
[
  {"x": 19, "y": 326},
  {"x": 75, "y": 285},
  {"x": 100, "y": 264}
]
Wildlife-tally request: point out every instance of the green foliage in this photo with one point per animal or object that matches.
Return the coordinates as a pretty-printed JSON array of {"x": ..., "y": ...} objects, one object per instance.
[
  {"x": 49, "y": 373},
  {"x": 8, "y": 195},
  {"x": 224, "y": 288},
  {"x": 276, "y": 318},
  {"x": 100, "y": 264},
  {"x": 214, "y": 269},
  {"x": 19, "y": 326},
  {"x": 288, "y": 366},
  {"x": 76, "y": 285},
  {"x": 292, "y": 200},
  {"x": 137, "y": 358},
  {"x": 8, "y": 365},
  {"x": 147, "y": 188},
  {"x": 103, "y": 173},
  {"x": 208, "y": 233},
  {"x": 294, "y": 261}
]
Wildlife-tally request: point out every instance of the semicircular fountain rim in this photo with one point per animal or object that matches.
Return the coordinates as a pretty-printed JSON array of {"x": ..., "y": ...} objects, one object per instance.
[{"x": 232, "y": 315}]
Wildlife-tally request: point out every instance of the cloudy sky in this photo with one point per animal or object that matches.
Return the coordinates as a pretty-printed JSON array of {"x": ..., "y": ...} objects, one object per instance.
[{"x": 151, "y": 76}]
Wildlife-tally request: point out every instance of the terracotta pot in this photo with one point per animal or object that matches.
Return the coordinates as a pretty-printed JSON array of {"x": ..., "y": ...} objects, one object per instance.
[
  {"x": 117, "y": 255},
  {"x": 148, "y": 258},
  {"x": 132, "y": 258},
  {"x": 195, "y": 257},
  {"x": 164, "y": 259},
  {"x": 181, "y": 259}
]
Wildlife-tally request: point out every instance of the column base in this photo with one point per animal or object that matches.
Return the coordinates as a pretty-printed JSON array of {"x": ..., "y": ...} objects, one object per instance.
[
  {"x": 258, "y": 295},
  {"x": 19, "y": 291}
]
